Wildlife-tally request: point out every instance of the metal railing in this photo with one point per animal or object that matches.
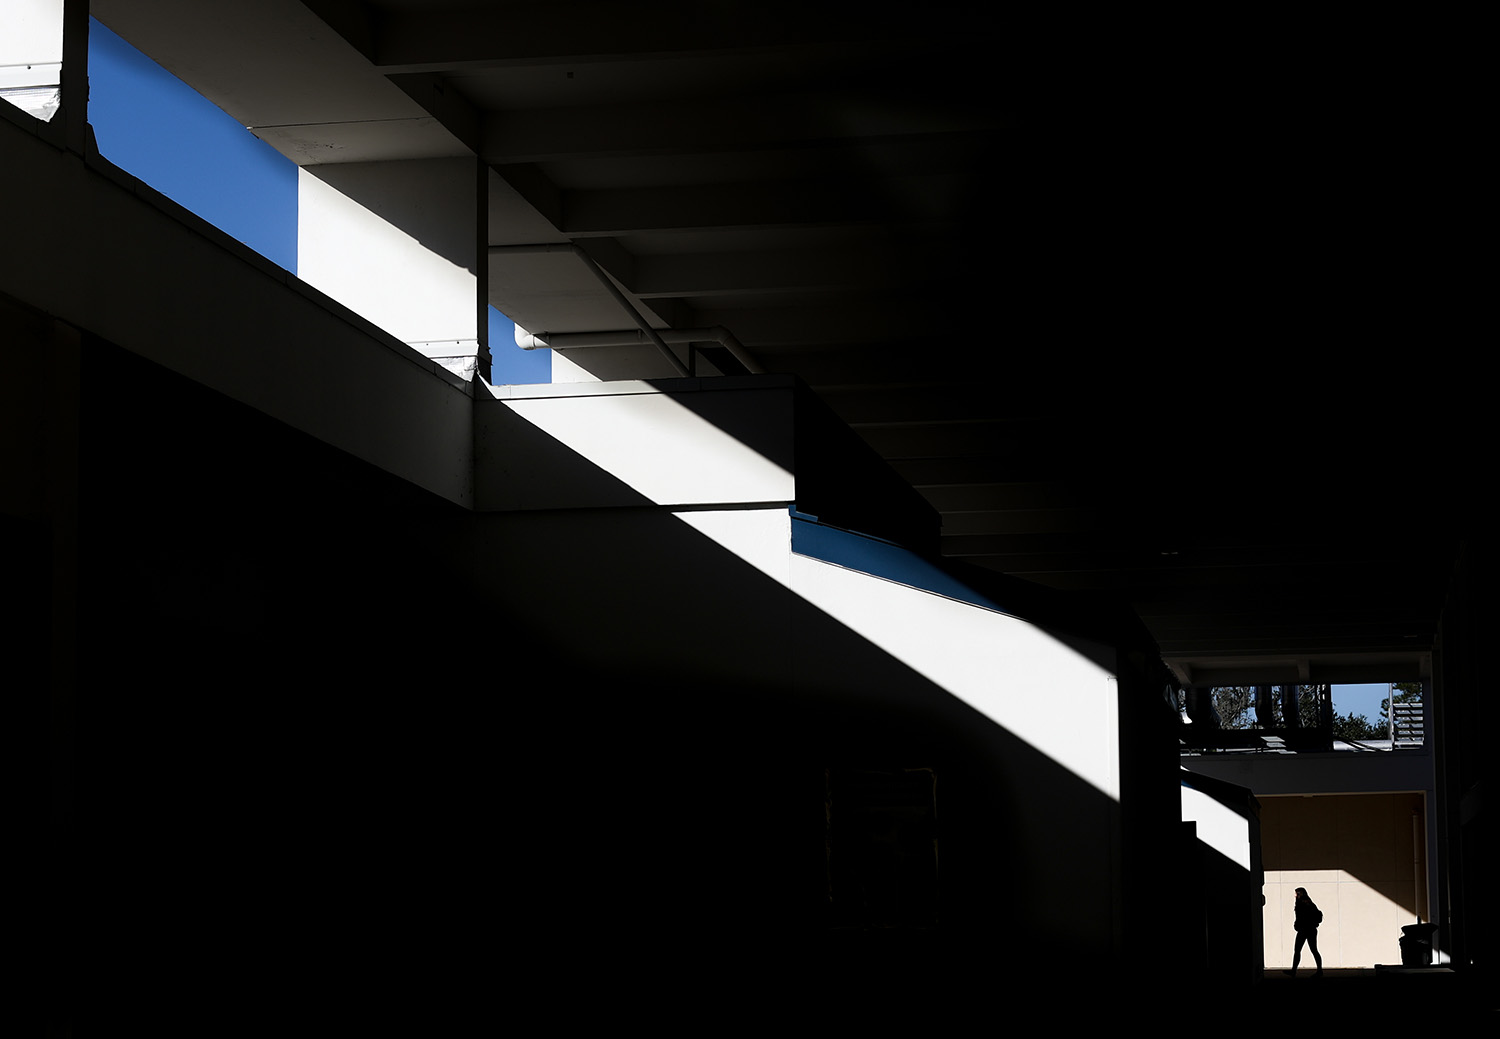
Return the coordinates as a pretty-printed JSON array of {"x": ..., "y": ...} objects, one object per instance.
[{"x": 1406, "y": 724}]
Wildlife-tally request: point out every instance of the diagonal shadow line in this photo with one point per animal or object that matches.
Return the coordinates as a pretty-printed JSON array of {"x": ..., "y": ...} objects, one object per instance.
[
  {"x": 579, "y": 432},
  {"x": 1354, "y": 835},
  {"x": 356, "y": 795},
  {"x": 663, "y": 650}
]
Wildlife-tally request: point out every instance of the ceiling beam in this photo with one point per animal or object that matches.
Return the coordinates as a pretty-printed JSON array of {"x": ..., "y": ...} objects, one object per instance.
[
  {"x": 761, "y": 271},
  {"x": 1378, "y": 665},
  {"x": 849, "y": 320},
  {"x": 719, "y": 206},
  {"x": 737, "y": 124},
  {"x": 487, "y": 35}
]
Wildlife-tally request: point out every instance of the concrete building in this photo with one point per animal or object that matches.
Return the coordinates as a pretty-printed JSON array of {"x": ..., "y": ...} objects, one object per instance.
[
  {"x": 1357, "y": 829},
  {"x": 920, "y": 423}
]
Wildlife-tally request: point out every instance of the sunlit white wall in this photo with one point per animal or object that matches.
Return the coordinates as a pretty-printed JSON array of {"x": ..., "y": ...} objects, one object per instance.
[
  {"x": 647, "y": 440},
  {"x": 1037, "y": 687},
  {"x": 385, "y": 275},
  {"x": 1221, "y": 828},
  {"x": 1016, "y": 674},
  {"x": 650, "y": 535},
  {"x": 31, "y": 47}
]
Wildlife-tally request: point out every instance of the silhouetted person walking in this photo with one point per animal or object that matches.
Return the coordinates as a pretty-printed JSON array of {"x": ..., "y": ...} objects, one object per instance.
[{"x": 1309, "y": 916}]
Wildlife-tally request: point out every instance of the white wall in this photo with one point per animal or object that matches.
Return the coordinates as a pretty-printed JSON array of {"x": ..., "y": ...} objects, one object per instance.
[
  {"x": 31, "y": 48},
  {"x": 30, "y": 32},
  {"x": 168, "y": 286},
  {"x": 1038, "y": 688},
  {"x": 1225, "y": 831},
  {"x": 652, "y": 448},
  {"x": 385, "y": 274},
  {"x": 1011, "y": 671}
]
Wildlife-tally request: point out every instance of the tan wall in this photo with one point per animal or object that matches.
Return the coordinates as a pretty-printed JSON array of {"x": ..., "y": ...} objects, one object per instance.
[{"x": 1353, "y": 853}]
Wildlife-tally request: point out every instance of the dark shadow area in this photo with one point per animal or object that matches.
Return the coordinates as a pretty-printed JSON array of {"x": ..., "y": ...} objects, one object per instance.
[
  {"x": 882, "y": 847},
  {"x": 342, "y": 739},
  {"x": 1223, "y": 897},
  {"x": 840, "y": 478},
  {"x": 401, "y": 195},
  {"x": 519, "y": 466},
  {"x": 280, "y": 777},
  {"x": 1401, "y": 999},
  {"x": 356, "y": 760},
  {"x": 340, "y": 735},
  {"x": 728, "y": 697}
]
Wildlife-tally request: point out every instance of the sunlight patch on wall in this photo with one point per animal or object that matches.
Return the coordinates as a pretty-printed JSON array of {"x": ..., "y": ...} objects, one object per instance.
[
  {"x": 1221, "y": 828},
  {"x": 1011, "y": 671},
  {"x": 1361, "y": 923},
  {"x": 1039, "y": 689},
  {"x": 385, "y": 275},
  {"x": 658, "y": 447}
]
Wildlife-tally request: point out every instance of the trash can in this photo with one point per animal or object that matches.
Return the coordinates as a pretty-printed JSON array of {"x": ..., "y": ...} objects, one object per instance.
[{"x": 1416, "y": 945}]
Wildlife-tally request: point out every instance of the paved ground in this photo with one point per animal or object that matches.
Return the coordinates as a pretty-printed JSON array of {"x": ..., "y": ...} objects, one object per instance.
[{"x": 1434, "y": 996}]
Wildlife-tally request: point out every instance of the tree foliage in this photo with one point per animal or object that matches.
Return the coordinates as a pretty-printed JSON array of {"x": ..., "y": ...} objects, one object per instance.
[
  {"x": 1353, "y": 726},
  {"x": 1235, "y": 706},
  {"x": 1307, "y": 704}
]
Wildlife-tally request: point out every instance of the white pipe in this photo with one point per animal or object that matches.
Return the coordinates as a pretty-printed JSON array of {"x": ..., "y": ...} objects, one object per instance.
[{"x": 633, "y": 337}]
